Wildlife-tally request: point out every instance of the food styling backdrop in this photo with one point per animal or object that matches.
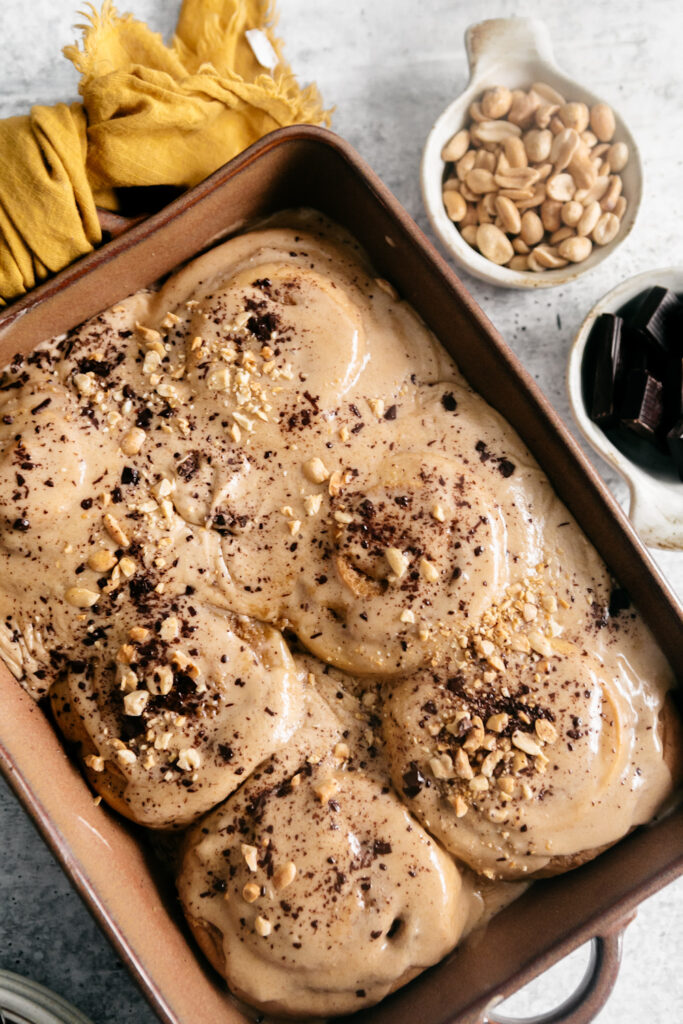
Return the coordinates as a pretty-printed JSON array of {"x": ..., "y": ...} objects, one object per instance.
[{"x": 390, "y": 67}]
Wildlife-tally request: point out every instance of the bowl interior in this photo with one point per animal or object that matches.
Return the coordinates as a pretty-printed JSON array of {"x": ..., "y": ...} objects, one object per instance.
[{"x": 516, "y": 74}]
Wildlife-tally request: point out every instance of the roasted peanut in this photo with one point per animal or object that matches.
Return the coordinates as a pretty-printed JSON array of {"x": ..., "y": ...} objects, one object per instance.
[
  {"x": 561, "y": 187},
  {"x": 576, "y": 116},
  {"x": 560, "y": 235},
  {"x": 469, "y": 233},
  {"x": 515, "y": 152},
  {"x": 484, "y": 215},
  {"x": 531, "y": 229},
  {"x": 544, "y": 114},
  {"x": 503, "y": 164},
  {"x": 571, "y": 213},
  {"x": 548, "y": 257},
  {"x": 494, "y": 131},
  {"x": 517, "y": 177},
  {"x": 485, "y": 160},
  {"x": 496, "y": 102},
  {"x": 563, "y": 148},
  {"x": 456, "y": 147},
  {"x": 589, "y": 218},
  {"x": 509, "y": 215},
  {"x": 517, "y": 194},
  {"x": 550, "y": 215},
  {"x": 602, "y": 121},
  {"x": 617, "y": 156},
  {"x": 549, "y": 94},
  {"x": 479, "y": 181},
  {"x": 537, "y": 143},
  {"x": 523, "y": 107},
  {"x": 494, "y": 244},
  {"x": 575, "y": 249},
  {"x": 456, "y": 207},
  {"x": 581, "y": 167},
  {"x": 600, "y": 150},
  {"x": 606, "y": 229},
  {"x": 596, "y": 191},
  {"x": 470, "y": 217},
  {"x": 468, "y": 194},
  {"x": 609, "y": 200},
  {"x": 465, "y": 164},
  {"x": 529, "y": 202}
]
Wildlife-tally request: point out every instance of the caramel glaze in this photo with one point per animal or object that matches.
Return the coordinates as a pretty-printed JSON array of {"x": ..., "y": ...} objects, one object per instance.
[{"x": 255, "y": 528}]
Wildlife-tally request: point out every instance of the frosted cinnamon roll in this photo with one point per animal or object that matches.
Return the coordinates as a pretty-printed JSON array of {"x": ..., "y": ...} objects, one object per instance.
[
  {"x": 534, "y": 771},
  {"x": 305, "y": 927},
  {"x": 172, "y": 720}
]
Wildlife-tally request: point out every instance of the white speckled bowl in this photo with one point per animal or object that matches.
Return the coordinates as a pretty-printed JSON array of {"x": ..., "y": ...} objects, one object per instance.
[
  {"x": 514, "y": 52},
  {"x": 656, "y": 492}
]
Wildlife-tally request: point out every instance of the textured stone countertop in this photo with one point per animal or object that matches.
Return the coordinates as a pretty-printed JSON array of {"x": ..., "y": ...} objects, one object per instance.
[{"x": 390, "y": 67}]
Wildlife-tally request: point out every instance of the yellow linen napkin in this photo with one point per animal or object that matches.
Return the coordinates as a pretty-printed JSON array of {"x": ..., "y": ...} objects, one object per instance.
[
  {"x": 47, "y": 210},
  {"x": 156, "y": 115}
]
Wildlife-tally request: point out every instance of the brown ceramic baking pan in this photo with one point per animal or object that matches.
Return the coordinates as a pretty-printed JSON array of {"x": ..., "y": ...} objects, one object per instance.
[{"x": 109, "y": 861}]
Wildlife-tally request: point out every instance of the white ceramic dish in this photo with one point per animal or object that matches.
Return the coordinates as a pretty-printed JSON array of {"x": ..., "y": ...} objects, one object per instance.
[
  {"x": 514, "y": 52},
  {"x": 656, "y": 492},
  {"x": 26, "y": 1002}
]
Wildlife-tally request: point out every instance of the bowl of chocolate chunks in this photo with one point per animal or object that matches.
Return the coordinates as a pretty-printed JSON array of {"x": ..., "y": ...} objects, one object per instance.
[{"x": 625, "y": 383}]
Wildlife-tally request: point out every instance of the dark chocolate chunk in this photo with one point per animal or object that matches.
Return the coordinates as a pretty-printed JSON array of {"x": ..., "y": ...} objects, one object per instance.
[
  {"x": 96, "y": 366},
  {"x": 660, "y": 316},
  {"x": 606, "y": 342},
  {"x": 263, "y": 326},
  {"x": 641, "y": 405},
  {"x": 619, "y": 601},
  {"x": 189, "y": 466},
  {"x": 413, "y": 781}
]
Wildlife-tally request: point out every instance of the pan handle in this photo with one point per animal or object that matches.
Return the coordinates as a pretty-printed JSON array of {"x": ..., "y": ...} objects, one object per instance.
[
  {"x": 585, "y": 1003},
  {"x": 499, "y": 41}
]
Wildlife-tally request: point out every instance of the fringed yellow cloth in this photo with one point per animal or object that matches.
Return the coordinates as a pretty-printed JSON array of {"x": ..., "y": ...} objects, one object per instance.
[{"x": 151, "y": 115}]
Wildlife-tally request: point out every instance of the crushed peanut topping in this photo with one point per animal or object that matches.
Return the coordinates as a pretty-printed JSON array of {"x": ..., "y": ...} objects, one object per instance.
[
  {"x": 326, "y": 789},
  {"x": 284, "y": 875},
  {"x": 251, "y": 892},
  {"x": 316, "y": 471},
  {"x": 262, "y": 927},
  {"x": 250, "y": 854}
]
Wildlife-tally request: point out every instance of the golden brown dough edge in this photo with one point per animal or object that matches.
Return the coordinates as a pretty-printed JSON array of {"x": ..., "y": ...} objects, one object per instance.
[
  {"x": 209, "y": 938},
  {"x": 671, "y": 734},
  {"x": 109, "y": 784}
]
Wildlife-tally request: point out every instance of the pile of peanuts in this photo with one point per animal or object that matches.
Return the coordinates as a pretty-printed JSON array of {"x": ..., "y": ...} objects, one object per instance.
[{"x": 533, "y": 182}]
